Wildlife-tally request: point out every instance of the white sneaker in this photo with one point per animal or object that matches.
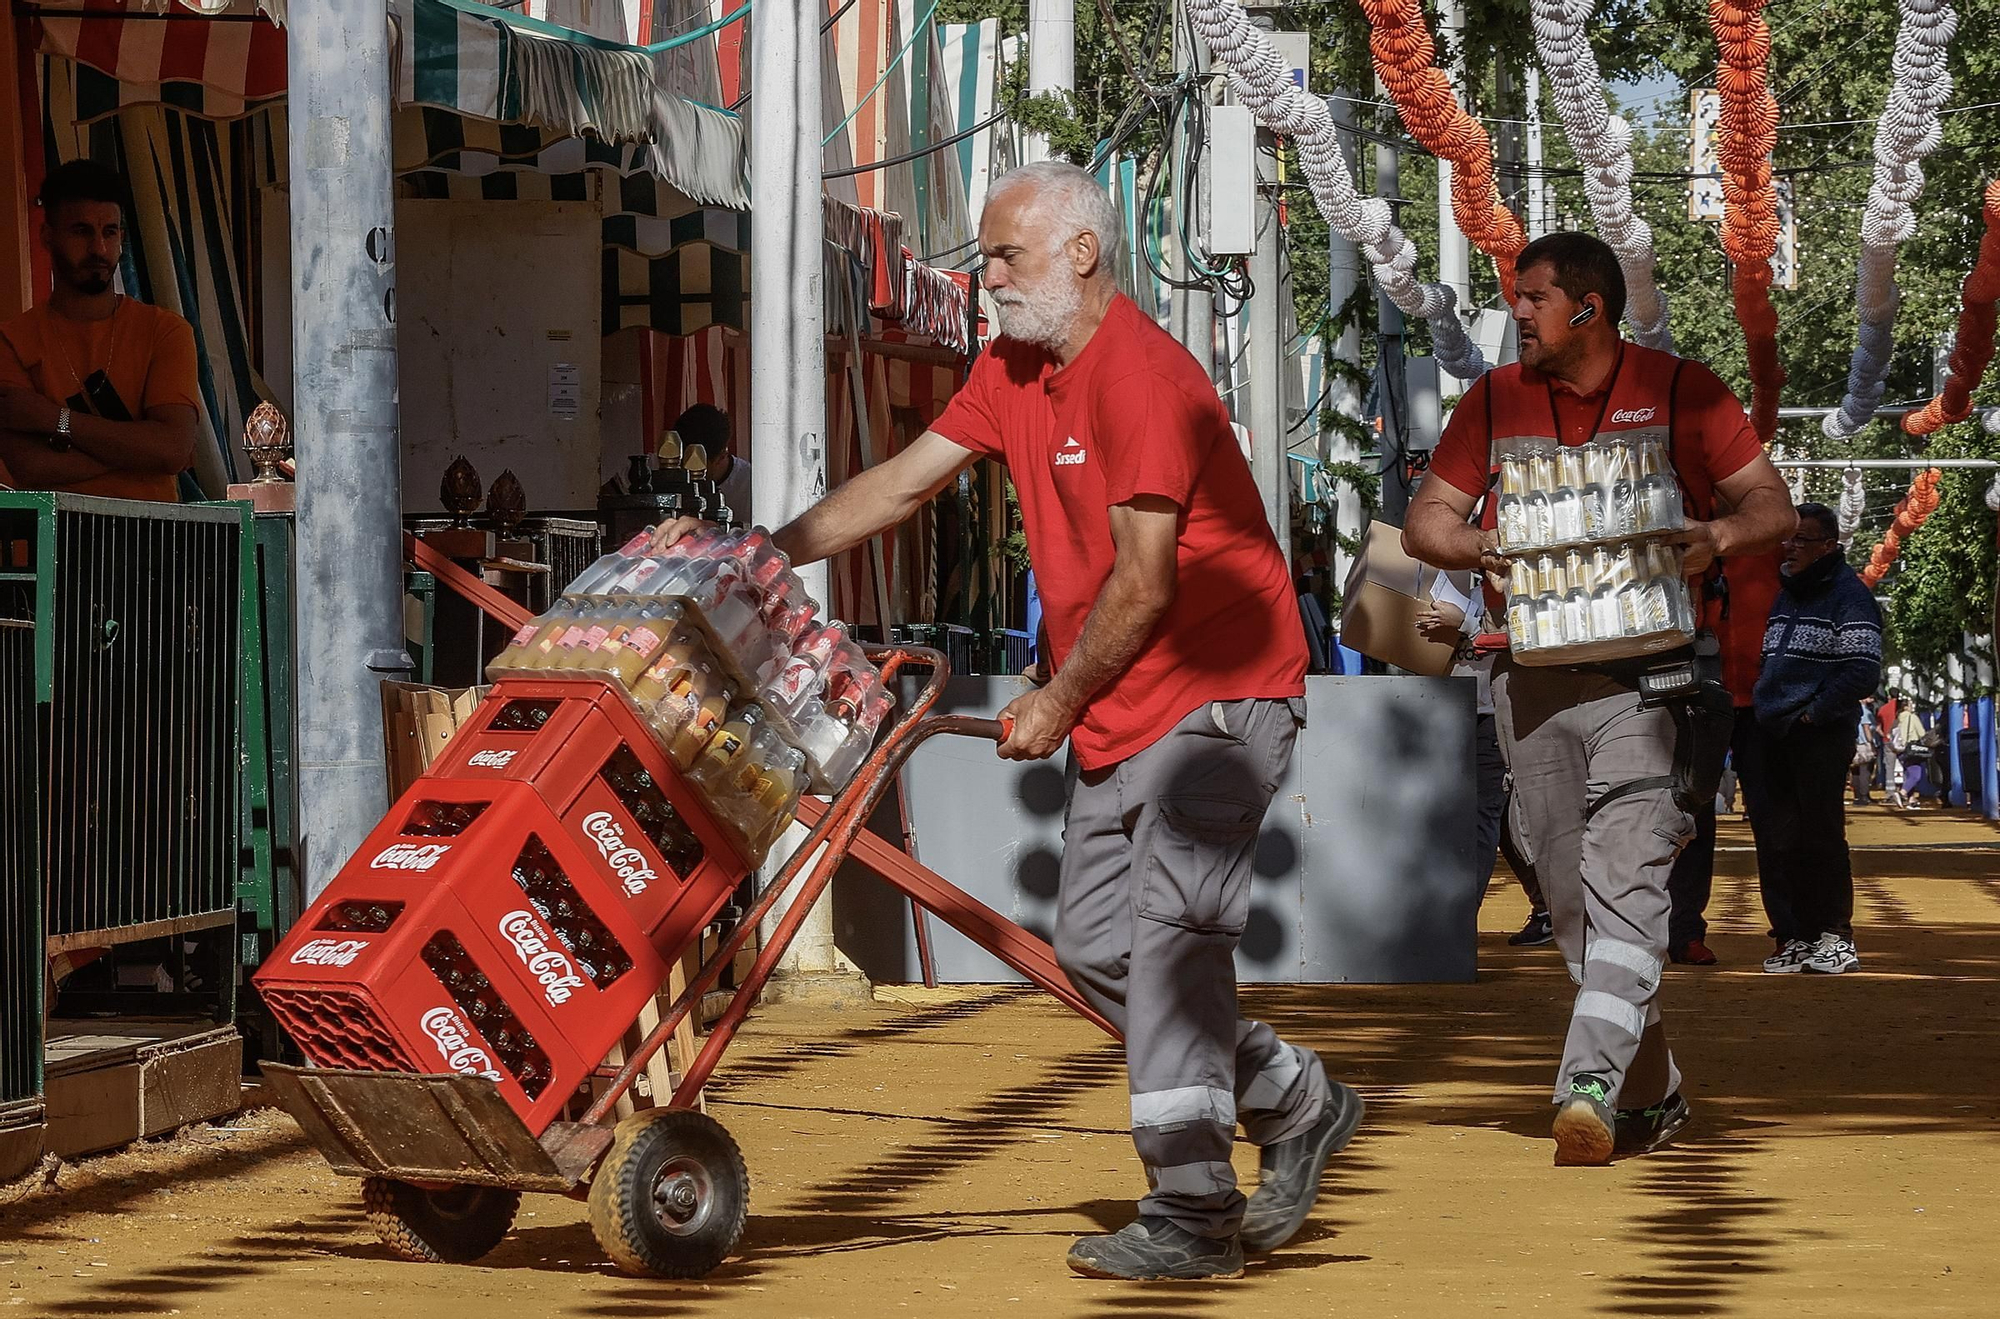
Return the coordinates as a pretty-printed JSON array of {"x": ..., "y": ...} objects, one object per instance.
[
  {"x": 1792, "y": 957},
  {"x": 1832, "y": 955}
]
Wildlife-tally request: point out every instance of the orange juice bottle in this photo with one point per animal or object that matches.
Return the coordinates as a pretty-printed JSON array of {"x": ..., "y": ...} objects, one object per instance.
[{"x": 706, "y": 712}]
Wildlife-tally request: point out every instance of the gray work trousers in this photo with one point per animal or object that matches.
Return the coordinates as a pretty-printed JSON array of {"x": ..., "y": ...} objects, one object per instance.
[
  {"x": 1571, "y": 736},
  {"x": 1157, "y": 853}
]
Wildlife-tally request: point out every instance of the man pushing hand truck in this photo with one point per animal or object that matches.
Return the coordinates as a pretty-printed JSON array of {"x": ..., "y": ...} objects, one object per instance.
[{"x": 1179, "y": 684}]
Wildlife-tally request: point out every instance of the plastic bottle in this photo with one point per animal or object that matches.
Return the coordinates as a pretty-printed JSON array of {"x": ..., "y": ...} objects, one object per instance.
[
  {"x": 1659, "y": 495},
  {"x": 1624, "y": 517},
  {"x": 705, "y": 714},
  {"x": 609, "y": 566},
  {"x": 1548, "y": 602},
  {"x": 714, "y": 770},
  {"x": 1599, "y": 474}
]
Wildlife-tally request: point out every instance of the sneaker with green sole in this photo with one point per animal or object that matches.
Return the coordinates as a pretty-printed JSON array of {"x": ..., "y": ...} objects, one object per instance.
[{"x": 1585, "y": 1125}]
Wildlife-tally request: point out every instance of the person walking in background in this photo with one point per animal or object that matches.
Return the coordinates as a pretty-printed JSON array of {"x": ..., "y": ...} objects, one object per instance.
[
  {"x": 1822, "y": 655},
  {"x": 1910, "y": 753},
  {"x": 1867, "y": 750}
]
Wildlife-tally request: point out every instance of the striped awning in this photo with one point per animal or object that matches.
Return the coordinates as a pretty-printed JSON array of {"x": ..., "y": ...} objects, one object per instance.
[{"x": 468, "y": 63}]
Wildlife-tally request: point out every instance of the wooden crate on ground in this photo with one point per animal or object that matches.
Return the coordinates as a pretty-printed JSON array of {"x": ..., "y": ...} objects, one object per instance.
[{"x": 417, "y": 721}]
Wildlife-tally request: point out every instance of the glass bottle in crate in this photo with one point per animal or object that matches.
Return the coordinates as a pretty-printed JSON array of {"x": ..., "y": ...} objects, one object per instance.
[
  {"x": 1566, "y": 503},
  {"x": 1576, "y": 600}
]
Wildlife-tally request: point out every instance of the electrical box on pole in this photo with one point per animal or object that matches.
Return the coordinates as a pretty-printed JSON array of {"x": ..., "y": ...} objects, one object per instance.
[{"x": 1232, "y": 181}]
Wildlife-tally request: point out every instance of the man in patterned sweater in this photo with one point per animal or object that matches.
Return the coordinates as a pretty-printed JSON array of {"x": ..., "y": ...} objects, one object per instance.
[{"x": 1822, "y": 656}]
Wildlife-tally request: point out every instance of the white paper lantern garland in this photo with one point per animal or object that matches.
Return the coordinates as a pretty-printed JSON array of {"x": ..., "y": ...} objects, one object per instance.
[
  {"x": 1257, "y": 75},
  {"x": 1603, "y": 145},
  {"x": 1853, "y": 503},
  {"x": 1907, "y": 132}
]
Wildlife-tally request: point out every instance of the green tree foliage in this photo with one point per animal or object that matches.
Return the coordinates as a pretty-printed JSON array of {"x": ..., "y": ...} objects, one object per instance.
[{"x": 1831, "y": 71}]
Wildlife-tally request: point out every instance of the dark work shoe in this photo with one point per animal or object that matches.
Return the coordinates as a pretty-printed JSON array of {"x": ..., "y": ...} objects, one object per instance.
[
  {"x": 1692, "y": 953},
  {"x": 1156, "y": 1248},
  {"x": 1642, "y": 1130},
  {"x": 1291, "y": 1171},
  {"x": 1539, "y": 930},
  {"x": 1584, "y": 1123}
]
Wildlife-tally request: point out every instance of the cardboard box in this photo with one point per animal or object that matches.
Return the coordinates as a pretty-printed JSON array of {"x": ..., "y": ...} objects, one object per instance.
[
  {"x": 1386, "y": 590},
  {"x": 416, "y": 723}
]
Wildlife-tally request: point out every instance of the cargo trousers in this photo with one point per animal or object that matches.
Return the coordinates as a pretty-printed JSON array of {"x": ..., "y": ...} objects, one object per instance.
[
  {"x": 1157, "y": 853},
  {"x": 1572, "y": 736}
]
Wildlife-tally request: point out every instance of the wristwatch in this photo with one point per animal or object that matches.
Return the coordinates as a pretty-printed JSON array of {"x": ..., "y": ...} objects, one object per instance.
[{"x": 60, "y": 440}]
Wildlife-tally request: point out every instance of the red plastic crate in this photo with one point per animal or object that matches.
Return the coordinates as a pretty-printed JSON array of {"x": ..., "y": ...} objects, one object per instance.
[{"x": 384, "y": 971}]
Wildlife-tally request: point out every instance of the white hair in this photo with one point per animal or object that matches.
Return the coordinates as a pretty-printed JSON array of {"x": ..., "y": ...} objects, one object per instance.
[{"x": 1071, "y": 202}]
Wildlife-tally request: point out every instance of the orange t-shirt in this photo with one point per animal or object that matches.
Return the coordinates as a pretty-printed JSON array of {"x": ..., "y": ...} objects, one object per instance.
[{"x": 148, "y": 353}]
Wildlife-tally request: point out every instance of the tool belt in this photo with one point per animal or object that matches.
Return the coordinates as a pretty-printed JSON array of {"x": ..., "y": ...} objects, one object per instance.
[{"x": 1688, "y": 685}]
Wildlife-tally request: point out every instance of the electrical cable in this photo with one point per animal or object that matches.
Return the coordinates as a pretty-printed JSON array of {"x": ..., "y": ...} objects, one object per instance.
[
  {"x": 916, "y": 30},
  {"x": 908, "y": 156}
]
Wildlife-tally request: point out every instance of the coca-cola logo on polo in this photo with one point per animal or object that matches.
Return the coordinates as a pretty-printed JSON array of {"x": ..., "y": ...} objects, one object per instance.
[
  {"x": 625, "y": 860},
  {"x": 329, "y": 952},
  {"x": 409, "y": 856},
  {"x": 454, "y": 1044},
  {"x": 547, "y": 964}
]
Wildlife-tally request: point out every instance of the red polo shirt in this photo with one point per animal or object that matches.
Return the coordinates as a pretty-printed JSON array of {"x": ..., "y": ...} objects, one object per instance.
[{"x": 1134, "y": 415}]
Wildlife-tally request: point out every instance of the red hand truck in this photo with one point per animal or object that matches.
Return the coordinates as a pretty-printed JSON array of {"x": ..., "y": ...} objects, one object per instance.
[{"x": 456, "y": 986}]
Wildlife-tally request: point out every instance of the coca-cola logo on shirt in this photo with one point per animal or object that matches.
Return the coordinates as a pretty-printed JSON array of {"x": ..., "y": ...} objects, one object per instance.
[
  {"x": 453, "y": 1038},
  {"x": 328, "y": 952},
  {"x": 409, "y": 856},
  {"x": 626, "y": 861},
  {"x": 550, "y": 967},
  {"x": 1633, "y": 416}
]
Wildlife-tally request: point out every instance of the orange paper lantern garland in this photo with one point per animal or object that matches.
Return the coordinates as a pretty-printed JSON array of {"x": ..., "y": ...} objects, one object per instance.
[
  {"x": 1405, "y": 59},
  {"x": 1972, "y": 353},
  {"x": 1916, "y": 506},
  {"x": 1749, "y": 132}
]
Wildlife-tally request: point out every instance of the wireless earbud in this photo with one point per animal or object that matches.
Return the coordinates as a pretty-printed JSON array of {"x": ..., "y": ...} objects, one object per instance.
[{"x": 1582, "y": 317}]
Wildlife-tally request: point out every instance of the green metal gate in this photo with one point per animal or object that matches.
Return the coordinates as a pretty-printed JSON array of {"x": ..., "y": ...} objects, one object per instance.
[
  {"x": 141, "y": 630},
  {"x": 20, "y": 869}
]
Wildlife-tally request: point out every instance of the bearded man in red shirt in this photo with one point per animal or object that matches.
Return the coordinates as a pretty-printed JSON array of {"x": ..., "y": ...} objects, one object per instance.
[{"x": 1179, "y": 683}]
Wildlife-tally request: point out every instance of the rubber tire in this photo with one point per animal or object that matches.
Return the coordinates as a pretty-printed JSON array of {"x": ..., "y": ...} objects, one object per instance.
[
  {"x": 622, "y": 1216},
  {"x": 453, "y": 1226}
]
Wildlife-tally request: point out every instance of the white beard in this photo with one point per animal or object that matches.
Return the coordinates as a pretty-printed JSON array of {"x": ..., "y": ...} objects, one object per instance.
[{"x": 1041, "y": 315}]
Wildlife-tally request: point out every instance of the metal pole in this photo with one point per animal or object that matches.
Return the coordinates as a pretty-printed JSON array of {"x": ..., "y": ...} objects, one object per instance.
[
  {"x": 1343, "y": 348},
  {"x": 1051, "y": 58},
  {"x": 1454, "y": 252},
  {"x": 1264, "y": 352},
  {"x": 1538, "y": 185},
  {"x": 1394, "y": 398},
  {"x": 350, "y": 543},
  {"x": 788, "y": 317},
  {"x": 1891, "y": 464},
  {"x": 1193, "y": 310}
]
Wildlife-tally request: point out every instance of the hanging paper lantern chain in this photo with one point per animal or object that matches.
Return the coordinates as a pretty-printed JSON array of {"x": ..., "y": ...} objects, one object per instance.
[
  {"x": 1749, "y": 202},
  {"x": 1258, "y": 77},
  {"x": 1405, "y": 60},
  {"x": 1853, "y": 503},
  {"x": 1908, "y": 131},
  {"x": 1916, "y": 506},
  {"x": 1603, "y": 145},
  {"x": 1973, "y": 350}
]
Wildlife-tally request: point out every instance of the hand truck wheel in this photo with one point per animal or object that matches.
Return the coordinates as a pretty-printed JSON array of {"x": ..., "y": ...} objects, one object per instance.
[
  {"x": 455, "y": 1225},
  {"x": 672, "y": 1195}
]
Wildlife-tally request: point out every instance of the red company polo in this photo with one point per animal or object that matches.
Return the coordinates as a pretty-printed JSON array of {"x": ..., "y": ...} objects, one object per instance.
[
  {"x": 1711, "y": 438},
  {"x": 1134, "y": 415}
]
